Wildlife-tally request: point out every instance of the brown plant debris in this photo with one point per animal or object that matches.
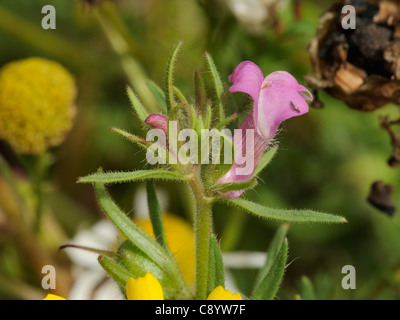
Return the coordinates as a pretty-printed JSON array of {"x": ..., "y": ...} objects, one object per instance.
[{"x": 379, "y": 197}]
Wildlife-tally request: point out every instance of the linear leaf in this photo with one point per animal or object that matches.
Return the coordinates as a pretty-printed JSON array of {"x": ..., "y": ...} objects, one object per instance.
[
  {"x": 290, "y": 215},
  {"x": 219, "y": 88},
  {"x": 307, "y": 289},
  {"x": 138, "y": 107},
  {"x": 132, "y": 232},
  {"x": 138, "y": 175},
  {"x": 269, "y": 285},
  {"x": 169, "y": 85},
  {"x": 158, "y": 94},
  {"x": 155, "y": 214},
  {"x": 216, "y": 273},
  {"x": 272, "y": 252},
  {"x": 131, "y": 137}
]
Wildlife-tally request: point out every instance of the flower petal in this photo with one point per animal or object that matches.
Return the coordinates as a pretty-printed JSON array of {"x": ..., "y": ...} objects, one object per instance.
[
  {"x": 219, "y": 293},
  {"x": 281, "y": 98},
  {"x": 247, "y": 77},
  {"x": 144, "y": 288}
]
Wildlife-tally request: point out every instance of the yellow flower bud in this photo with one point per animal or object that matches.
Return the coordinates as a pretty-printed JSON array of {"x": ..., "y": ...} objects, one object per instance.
[
  {"x": 144, "y": 288},
  {"x": 36, "y": 104},
  {"x": 219, "y": 293},
  {"x": 53, "y": 297}
]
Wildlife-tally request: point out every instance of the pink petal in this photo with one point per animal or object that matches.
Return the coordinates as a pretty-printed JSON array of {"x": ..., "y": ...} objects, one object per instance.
[
  {"x": 247, "y": 77},
  {"x": 281, "y": 98}
]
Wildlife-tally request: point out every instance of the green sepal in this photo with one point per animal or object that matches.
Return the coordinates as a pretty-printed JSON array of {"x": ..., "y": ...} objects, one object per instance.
[
  {"x": 158, "y": 93},
  {"x": 138, "y": 107},
  {"x": 138, "y": 175},
  {"x": 199, "y": 93},
  {"x": 180, "y": 96},
  {"x": 234, "y": 186},
  {"x": 265, "y": 160},
  {"x": 169, "y": 86},
  {"x": 269, "y": 285},
  {"x": 115, "y": 271},
  {"x": 137, "y": 264},
  {"x": 207, "y": 117},
  {"x": 218, "y": 86},
  {"x": 290, "y": 215},
  {"x": 216, "y": 273},
  {"x": 222, "y": 124},
  {"x": 213, "y": 172}
]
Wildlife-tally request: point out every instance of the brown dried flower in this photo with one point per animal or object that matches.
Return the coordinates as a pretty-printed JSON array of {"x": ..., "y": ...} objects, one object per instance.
[{"x": 359, "y": 66}]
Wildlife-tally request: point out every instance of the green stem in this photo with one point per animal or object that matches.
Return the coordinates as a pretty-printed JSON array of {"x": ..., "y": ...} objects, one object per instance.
[
  {"x": 203, "y": 227},
  {"x": 39, "y": 172}
]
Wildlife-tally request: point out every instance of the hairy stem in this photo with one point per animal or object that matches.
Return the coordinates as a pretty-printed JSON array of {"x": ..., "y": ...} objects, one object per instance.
[{"x": 203, "y": 227}]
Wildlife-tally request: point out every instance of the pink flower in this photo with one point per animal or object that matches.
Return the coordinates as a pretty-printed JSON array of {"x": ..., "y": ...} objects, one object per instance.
[{"x": 276, "y": 98}]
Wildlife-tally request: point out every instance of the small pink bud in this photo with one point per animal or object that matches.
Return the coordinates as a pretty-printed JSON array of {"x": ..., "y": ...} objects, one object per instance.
[{"x": 158, "y": 121}]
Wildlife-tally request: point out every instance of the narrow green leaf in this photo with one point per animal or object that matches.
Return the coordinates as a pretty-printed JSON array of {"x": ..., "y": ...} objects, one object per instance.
[
  {"x": 169, "y": 86},
  {"x": 132, "y": 232},
  {"x": 131, "y": 137},
  {"x": 138, "y": 175},
  {"x": 269, "y": 285},
  {"x": 272, "y": 252},
  {"x": 219, "y": 88},
  {"x": 307, "y": 289},
  {"x": 265, "y": 159},
  {"x": 155, "y": 214},
  {"x": 290, "y": 215},
  {"x": 234, "y": 186},
  {"x": 158, "y": 94},
  {"x": 138, "y": 107},
  {"x": 216, "y": 273}
]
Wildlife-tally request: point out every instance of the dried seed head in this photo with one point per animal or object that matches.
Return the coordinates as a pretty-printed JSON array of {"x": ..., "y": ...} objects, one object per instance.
[{"x": 359, "y": 66}]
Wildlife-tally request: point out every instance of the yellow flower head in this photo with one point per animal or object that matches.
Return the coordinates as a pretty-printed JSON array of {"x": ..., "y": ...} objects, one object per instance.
[
  {"x": 144, "y": 288},
  {"x": 180, "y": 240},
  {"x": 36, "y": 104},
  {"x": 219, "y": 293}
]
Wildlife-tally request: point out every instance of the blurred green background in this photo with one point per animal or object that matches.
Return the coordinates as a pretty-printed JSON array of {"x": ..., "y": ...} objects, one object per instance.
[{"x": 327, "y": 159}]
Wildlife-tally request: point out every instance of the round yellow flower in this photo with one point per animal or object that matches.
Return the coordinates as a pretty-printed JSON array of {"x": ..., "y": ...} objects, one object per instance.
[
  {"x": 36, "y": 104},
  {"x": 180, "y": 240},
  {"x": 144, "y": 288},
  {"x": 219, "y": 293}
]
